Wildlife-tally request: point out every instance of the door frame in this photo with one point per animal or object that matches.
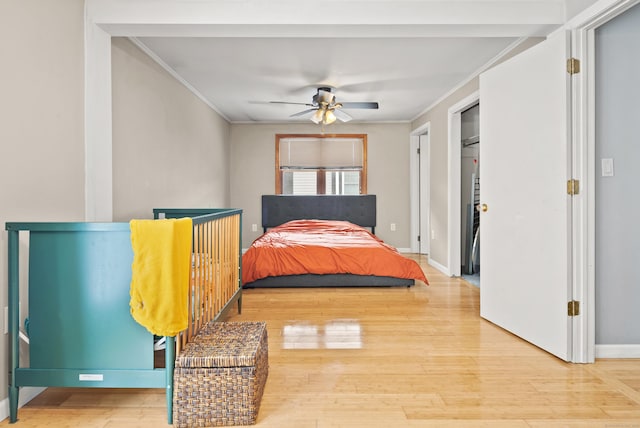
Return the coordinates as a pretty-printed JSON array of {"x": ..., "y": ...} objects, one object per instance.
[
  {"x": 418, "y": 179},
  {"x": 454, "y": 204},
  {"x": 584, "y": 169}
]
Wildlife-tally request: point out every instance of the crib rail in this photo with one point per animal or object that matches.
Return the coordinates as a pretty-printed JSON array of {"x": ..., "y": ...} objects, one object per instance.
[
  {"x": 80, "y": 330},
  {"x": 215, "y": 283}
]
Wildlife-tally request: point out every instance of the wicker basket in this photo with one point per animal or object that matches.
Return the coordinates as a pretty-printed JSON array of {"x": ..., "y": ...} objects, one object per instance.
[{"x": 220, "y": 376}]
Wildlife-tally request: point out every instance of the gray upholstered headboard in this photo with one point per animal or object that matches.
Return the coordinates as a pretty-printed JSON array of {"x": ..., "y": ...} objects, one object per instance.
[{"x": 357, "y": 209}]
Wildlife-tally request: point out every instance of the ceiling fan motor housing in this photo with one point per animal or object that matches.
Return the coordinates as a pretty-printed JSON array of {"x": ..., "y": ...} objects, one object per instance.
[{"x": 324, "y": 96}]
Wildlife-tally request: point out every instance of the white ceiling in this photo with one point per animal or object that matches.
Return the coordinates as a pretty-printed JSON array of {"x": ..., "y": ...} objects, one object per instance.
[
  {"x": 239, "y": 76},
  {"x": 406, "y": 55}
]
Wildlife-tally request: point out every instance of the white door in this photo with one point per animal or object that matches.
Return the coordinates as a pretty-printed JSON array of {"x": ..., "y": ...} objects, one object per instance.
[{"x": 525, "y": 152}]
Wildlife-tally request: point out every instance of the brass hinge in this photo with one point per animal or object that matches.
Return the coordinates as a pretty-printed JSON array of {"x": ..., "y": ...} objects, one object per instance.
[
  {"x": 573, "y": 187},
  {"x": 573, "y": 308},
  {"x": 573, "y": 66}
]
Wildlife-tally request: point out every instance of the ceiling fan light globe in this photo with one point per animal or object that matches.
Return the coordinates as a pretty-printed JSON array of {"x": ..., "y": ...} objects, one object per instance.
[
  {"x": 318, "y": 116},
  {"x": 329, "y": 117}
]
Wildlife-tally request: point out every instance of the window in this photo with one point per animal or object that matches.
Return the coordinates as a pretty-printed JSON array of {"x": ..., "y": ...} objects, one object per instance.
[{"x": 321, "y": 164}]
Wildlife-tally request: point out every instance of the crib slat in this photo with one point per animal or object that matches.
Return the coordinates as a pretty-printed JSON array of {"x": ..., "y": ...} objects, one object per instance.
[{"x": 214, "y": 285}]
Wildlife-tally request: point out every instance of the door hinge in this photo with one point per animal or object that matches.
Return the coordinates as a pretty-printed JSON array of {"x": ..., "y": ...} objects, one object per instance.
[
  {"x": 573, "y": 187},
  {"x": 573, "y": 308},
  {"x": 418, "y": 150},
  {"x": 418, "y": 238},
  {"x": 573, "y": 66}
]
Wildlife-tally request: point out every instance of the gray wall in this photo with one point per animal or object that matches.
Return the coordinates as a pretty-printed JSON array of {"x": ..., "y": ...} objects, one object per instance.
[
  {"x": 253, "y": 172},
  {"x": 170, "y": 149},
  {"x": 617, "y": 198}
]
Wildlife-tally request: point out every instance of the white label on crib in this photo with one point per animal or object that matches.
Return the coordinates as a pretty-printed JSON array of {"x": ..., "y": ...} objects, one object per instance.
[{"x": 91, "y": 377}]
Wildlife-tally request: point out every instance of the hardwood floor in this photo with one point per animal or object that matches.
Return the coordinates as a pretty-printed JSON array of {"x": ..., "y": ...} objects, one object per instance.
[{"x": 390, "y": 357}]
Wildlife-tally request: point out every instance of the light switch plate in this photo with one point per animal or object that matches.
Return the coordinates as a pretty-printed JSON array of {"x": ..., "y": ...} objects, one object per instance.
[{"x": 607, "y": 167}]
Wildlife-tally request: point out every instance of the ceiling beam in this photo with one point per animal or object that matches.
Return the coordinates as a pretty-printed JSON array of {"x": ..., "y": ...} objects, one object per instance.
[{"x": 336, "y": 18}]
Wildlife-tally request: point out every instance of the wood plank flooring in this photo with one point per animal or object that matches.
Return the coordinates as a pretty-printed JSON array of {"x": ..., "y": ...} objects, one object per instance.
[{"x": 389, "y": 357}]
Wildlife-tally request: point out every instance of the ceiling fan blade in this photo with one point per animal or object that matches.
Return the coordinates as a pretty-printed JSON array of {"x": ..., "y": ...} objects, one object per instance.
[
  {"x": 344, "y": 117},
  {"x": 371, "y": 105},
  {"x": 302, "y": 113},
  {"x": 287, "y": 102}
]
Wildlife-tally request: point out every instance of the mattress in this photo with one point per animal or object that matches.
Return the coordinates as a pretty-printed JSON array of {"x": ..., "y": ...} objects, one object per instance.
[{"x": 324, "y": 247}]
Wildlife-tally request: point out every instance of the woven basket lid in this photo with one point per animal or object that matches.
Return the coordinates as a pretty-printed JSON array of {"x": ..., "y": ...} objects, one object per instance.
[{"x": 224, "y": 344}]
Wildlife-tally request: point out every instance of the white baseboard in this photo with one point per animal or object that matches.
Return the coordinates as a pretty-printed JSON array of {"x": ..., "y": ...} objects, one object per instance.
[
  {"x": 617, "y": 351},
  {"x": 404, "y": 250},
  {"x": 26, "y": 394},
  {"x": 440, "y": 267}
]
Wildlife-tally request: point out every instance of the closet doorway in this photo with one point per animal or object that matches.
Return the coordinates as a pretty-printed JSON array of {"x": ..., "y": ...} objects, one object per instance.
[
  {"x": 470, "y": 194},
  {"x": 457, "y": 199}
]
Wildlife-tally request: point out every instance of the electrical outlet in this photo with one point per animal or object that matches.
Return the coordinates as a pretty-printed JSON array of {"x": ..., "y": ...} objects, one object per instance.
[
  {"x": 254, "y": 227},
  {"x": 393, "y": 227}
]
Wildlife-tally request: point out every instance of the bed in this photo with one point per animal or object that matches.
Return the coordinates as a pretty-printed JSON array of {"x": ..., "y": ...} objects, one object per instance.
[
  {"x": 79, "y": 330},
  {"x": 323, "y": 241}
]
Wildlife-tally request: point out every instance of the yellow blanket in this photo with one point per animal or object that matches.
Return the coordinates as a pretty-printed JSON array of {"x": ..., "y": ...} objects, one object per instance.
[{"x": 160, "y": 274}]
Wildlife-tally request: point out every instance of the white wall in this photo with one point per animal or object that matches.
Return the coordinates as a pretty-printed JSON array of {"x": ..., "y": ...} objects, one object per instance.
[
  {"x": 437, "y": 117},
  {"x": 169, "y": 148},
  {"x": 41, "y": 131},
  {"x": 253, "y": 172}
]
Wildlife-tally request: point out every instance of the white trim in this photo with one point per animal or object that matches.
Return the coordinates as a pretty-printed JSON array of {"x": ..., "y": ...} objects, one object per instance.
[
  {"x": 617, "y": 351},
  {"x": 414, "y": 186},
  {"x": 425, "y": 197},
  {"x": 176, "y": 76},
  {"x": 454, "y": 181},
  {"x": 583, "y": 48},
  {"x": 599, "y": 13},
  {"x": 97, "y": 125},
  {"x": 583, "y": 328},
  {"x": 27, "y": 393},
  {"x": 440, "y": 267},
  {"x": 414, "y": 194},
  {"x": 583, "y": 255},
  {"x": 486, "y": 18}
]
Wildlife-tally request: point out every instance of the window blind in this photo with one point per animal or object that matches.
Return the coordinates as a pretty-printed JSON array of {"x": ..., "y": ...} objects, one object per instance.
[{"x": 321, "y": 153}]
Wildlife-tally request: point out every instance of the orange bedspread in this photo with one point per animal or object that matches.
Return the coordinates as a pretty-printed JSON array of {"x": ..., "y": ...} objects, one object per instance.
[{"x": 324, "y": 247}]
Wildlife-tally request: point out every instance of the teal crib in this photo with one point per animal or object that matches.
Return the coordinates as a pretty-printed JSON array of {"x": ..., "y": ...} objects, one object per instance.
[{"x": 79, "y": 327}]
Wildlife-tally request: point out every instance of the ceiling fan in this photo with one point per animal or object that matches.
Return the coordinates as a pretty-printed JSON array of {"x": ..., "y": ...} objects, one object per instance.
[{"x": 326, "y": 108}]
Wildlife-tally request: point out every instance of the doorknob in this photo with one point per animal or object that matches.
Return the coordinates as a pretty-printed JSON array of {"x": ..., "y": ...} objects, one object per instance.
[{"x": 484, "y": 208}]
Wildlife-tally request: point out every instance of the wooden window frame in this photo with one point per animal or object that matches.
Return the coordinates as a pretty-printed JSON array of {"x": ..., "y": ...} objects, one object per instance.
[{"x": 321, "y": 182}]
